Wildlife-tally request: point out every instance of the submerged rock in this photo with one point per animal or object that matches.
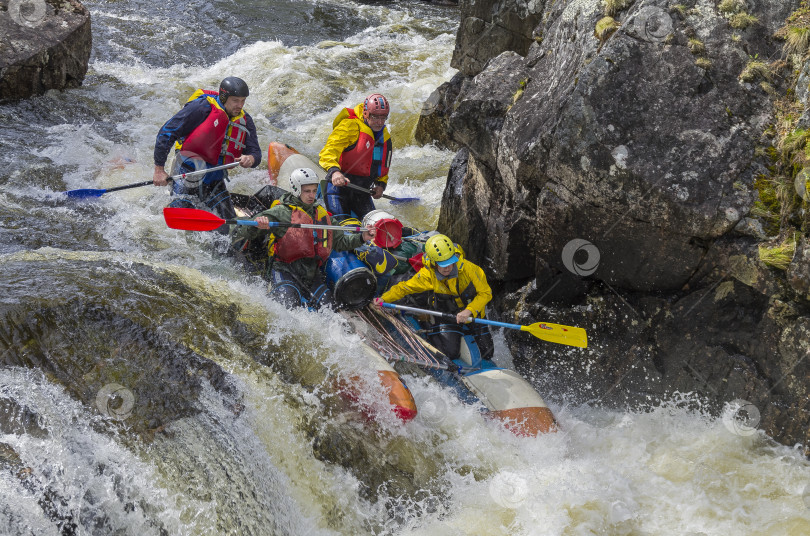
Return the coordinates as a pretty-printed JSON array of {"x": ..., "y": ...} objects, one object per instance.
[{"x": 111, "y": 363}]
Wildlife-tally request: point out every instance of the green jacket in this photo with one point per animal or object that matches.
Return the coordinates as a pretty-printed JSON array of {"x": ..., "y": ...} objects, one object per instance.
[{"x": 304, "y": 269}]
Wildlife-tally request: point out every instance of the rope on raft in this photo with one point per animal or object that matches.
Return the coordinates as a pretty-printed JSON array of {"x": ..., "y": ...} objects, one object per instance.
[{"x": 417, "y": 351}]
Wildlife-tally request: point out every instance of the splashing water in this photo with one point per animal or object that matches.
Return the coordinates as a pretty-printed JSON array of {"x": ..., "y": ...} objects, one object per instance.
[{"x": 150, "y": 387}]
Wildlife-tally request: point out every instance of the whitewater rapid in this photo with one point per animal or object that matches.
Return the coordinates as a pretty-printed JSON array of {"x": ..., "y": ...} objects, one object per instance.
[{"x": 247, "y": 456}]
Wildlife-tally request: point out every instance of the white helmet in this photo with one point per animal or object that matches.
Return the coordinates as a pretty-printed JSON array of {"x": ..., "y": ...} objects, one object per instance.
[{"x": 301, "y": 176}]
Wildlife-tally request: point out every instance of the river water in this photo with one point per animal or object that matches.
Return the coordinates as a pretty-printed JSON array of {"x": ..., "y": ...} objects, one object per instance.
[{"x": 149, "y": 387}]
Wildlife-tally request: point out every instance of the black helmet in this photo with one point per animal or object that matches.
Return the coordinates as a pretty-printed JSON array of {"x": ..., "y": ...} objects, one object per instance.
[{"x": 232, "y": 87}]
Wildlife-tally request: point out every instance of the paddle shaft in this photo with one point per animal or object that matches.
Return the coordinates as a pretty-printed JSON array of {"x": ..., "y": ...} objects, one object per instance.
[
  {"x": 449, "y": 316},
  {"x": 195, "y": 173},
  {"x": 555, "y": 333},
  {"x": 444, "y": 316},
  {"x": 88, "y": 192},
  {"x": 370, "y": 192},
  {"x": 351, "y": 228},
  {"x": 135, "y": 185}
]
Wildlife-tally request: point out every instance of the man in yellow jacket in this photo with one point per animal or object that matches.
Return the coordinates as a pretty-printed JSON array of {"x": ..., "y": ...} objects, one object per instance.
[
  {"x": 451, "y": 284},
  {"x": 358, "y": 151}
]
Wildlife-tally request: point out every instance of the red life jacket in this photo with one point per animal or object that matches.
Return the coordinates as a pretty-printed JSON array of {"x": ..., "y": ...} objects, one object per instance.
[
  {"x": 357, "y": 158},
  {"x": 298, "y": 243},
  {"x": 219, "y": 139}
]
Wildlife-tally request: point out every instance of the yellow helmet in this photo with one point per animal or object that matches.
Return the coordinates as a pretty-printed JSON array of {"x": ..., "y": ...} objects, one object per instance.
[{"x": 441, "y": 250}]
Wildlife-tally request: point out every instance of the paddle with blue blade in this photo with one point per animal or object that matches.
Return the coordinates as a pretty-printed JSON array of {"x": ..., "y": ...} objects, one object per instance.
[
  {"x": 89, "y": 192},
  {"x": 394, "y": 200},
  {"x": 557, "y": 333},
  {"x": 192, "y": 219}
]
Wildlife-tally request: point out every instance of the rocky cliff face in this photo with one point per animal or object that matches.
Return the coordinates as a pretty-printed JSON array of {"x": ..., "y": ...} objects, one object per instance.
[
  {"x": 609, "y": 151},
  {"x": 44, "y": 45}
]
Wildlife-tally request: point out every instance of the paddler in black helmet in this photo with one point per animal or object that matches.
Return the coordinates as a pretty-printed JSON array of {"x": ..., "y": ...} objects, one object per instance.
[
  {"x": 210, "y": 130},
  {"x": 296, "y": 255}
]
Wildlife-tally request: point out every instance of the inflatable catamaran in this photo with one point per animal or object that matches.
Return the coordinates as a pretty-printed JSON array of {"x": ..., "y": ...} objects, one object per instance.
[
  {"x": 388, "y": 338},
  {"x": 506, "y": 395}
]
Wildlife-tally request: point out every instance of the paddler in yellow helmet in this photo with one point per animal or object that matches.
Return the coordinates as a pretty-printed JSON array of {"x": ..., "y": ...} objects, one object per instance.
[{"x": 451, "y": 284}]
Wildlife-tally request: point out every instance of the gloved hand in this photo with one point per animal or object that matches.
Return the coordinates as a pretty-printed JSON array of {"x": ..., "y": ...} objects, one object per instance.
[{"x": 378, "y": 302}]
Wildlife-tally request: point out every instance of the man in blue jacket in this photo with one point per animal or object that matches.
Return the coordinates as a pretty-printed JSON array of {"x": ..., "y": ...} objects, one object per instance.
[{"x": 214, "y": 128}]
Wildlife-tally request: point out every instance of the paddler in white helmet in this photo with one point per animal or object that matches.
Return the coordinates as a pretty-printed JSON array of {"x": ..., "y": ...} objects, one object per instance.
[{"x": 296, "y": 255}]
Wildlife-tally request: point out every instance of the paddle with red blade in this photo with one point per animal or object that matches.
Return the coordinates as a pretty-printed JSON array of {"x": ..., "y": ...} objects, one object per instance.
[
  {"x": 192, "y": 219},
  {"x": 89, "y": 192}
]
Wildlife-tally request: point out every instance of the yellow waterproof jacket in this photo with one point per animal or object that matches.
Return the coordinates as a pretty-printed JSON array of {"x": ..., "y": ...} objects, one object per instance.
[
  {"x": 470, "y": 288},
  {"x": 346, "y": 132}
]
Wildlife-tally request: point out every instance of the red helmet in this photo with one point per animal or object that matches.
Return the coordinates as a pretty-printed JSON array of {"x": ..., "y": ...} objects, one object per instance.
[
  {"x": 375, "y": 104},
  {"x": 389, "y": 229}
]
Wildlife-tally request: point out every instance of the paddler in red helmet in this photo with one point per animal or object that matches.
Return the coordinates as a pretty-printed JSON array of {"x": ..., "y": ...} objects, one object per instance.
[{"x": 358, "y": 151}]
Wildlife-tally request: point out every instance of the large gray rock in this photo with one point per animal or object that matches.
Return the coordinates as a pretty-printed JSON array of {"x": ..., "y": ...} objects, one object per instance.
[
  {"x": 490, "y": 27},
  {"x": 44, "y": 45},
  {"x": 737, "y": 338},
  {"x": 433, "y": 126},
  {"x": 613, "y": 178},
  {"x": 627, "y": 143}
]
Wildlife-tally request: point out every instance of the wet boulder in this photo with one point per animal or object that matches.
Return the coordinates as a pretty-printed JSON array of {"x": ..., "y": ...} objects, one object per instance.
[
  {"x": 491, "y": 27},
  {"x": 123, "y": 370},
  {"x": 612, "y": 167},
  {"x": 45, "y": 45},
  {"x": 640, "y": 141}
]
